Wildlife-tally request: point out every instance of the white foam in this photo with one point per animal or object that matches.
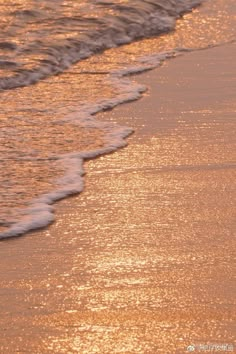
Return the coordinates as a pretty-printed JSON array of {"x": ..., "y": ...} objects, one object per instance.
[{"x": 40, "y": 212}]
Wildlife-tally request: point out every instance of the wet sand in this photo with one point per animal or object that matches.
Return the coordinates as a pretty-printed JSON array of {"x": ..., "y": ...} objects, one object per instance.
[{"x": 142, "y": 260}]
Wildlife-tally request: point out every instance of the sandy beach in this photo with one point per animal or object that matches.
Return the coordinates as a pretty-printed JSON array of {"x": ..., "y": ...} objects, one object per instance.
[{"x": 142, "y": 260}]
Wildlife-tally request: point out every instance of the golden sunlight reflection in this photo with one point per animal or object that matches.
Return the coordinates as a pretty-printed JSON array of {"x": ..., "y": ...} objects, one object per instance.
[{"x": 140, "y": 262}]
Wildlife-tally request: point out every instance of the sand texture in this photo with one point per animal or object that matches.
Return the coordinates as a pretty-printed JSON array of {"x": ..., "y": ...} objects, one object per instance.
[{"x": 142, "y": 260}]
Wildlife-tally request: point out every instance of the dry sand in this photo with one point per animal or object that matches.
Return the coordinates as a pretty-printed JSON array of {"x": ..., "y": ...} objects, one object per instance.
[{"x": 142, "y": 260}]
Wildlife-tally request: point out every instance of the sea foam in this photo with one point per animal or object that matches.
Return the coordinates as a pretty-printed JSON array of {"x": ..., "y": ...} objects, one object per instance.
[{"x": 40, "y": 212}]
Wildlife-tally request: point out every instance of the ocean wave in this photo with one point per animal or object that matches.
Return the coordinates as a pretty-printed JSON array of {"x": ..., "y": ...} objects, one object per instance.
[{"x": 39, "y": 43}]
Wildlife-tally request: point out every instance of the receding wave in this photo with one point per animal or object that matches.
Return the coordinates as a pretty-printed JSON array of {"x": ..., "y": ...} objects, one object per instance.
[{"x": 46, "y": 41}]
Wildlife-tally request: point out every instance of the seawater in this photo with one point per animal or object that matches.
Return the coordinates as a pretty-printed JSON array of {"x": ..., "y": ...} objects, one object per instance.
[{"x": 61, "y": 62}]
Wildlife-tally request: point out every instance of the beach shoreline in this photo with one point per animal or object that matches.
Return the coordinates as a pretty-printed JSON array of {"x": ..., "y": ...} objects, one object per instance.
[{"x": 141, "y": 261}]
